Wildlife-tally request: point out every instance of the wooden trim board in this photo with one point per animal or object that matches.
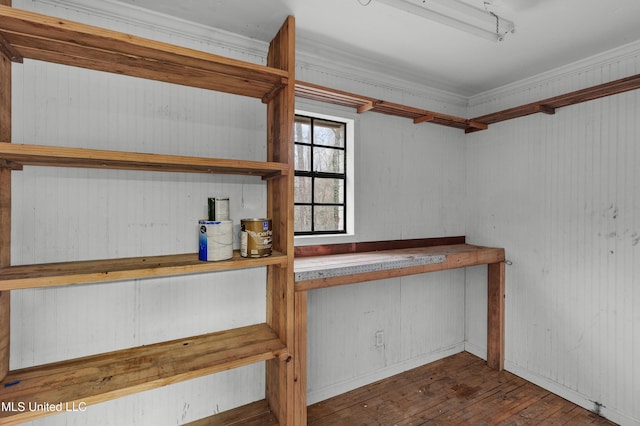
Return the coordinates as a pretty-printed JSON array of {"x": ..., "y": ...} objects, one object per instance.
[{"x": 315, "y": 272}]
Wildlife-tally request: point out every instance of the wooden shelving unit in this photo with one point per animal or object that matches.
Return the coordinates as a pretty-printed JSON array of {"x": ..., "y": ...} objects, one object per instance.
[{"x": 96, "y": 378}]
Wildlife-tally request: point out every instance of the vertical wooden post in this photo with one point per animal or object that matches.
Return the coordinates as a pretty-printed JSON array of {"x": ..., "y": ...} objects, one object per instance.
[
  {"x": 495, "y": 315},
  {"x": 5, "y": 207},
  {"x": 300, "y": 360},
  {"x": 280, "y": 285}
]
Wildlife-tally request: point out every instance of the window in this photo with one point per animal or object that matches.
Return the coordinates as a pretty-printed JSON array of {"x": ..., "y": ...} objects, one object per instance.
[{"x": 321, "y": 181}]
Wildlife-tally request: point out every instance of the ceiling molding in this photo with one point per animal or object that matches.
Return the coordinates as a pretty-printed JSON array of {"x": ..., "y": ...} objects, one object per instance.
[
  {"x": 626, "y": 54},
  {"x": 147, "y": 23},
  {"x": 326, "y": 58}
]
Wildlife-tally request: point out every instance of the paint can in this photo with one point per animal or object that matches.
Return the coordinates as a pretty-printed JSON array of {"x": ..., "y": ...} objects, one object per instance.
[
  {"x": 255, "y": 237},
  {"x": 218, "y": 208},
  {"x": 215, "y": 240}
]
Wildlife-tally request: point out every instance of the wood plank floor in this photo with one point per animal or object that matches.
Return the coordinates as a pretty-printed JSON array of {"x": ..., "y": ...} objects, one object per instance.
[{"x": 457, "y": 390}]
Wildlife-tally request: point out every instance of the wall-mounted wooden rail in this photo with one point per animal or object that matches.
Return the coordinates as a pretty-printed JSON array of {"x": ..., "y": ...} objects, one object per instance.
[
  {"x": 545, "y": 106},
  {"x": 549, "y": 105},
  {"x": 364, "y": 104}
]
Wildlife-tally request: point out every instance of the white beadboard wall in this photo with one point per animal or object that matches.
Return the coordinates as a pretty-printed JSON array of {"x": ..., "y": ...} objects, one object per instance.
[{"x": 562, "y": 194}]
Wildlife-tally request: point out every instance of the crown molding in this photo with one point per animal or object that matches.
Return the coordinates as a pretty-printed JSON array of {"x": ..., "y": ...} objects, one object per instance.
[
  {"x": 148, "y": 24},
  {"x": 625, "y": 54},
  {"x": 326, "y": 57}
]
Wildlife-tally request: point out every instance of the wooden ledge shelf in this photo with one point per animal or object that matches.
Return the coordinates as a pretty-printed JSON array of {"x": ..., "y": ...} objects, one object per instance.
[
  {"x": 31, "y": 35},
  {"x": 549, "y": 105},
  {"x": 91, "y": 271},
  {"x": 364, "y": 103},
  {"x": 17, "y": 155},
  {"x": 546, "y": 106},
  {"x": 106, "y": 376},
  {"x": 315, "y": 272}
]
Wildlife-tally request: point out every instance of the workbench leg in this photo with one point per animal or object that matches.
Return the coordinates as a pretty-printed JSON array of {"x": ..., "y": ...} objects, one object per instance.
[
  {"x": 495, "y": 315},
  {"x": 300, "y": 359}
]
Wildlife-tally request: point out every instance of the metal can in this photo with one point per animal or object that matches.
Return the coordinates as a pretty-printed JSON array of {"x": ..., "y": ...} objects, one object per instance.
[
  {"x": 256, "y": 236},
  {"x": 218, "y": 208}
]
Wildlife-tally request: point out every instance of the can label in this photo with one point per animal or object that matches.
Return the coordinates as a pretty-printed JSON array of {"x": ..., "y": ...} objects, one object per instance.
[
  {"x": 215, "y": 240},
  {"x": 256, "y": 237}
]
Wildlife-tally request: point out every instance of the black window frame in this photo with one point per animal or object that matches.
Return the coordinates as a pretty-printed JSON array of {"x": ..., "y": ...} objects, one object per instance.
[{"x": 320, "y": 175}]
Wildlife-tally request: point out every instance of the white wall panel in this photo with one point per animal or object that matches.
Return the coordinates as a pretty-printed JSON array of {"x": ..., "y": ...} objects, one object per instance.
[
  {"x": 410, "y": 183},
  {"x": 561, "y": 193}
]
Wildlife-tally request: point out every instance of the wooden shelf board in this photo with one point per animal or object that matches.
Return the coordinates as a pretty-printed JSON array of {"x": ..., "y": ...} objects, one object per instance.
[
  {"x": 254, "y": 414},
  {"x": 106, "y": 376},
  {"x": 17, "y": 155},
  {"x": 330, "y": 270},
  {"x": 34, "y": 36},
  {"x": 90, "y": 271}
]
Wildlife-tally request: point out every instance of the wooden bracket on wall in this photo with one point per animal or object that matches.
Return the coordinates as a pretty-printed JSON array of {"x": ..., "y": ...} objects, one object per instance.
[
  {"x": 424, "y": 118},
  {"x": 275, "y": 90},
  {"x": 6, "y": 164},
  {"x": 7, "y": 50}
]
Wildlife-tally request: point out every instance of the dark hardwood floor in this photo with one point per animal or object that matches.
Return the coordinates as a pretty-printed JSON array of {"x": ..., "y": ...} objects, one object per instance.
[{"x": 457, "y": 390}]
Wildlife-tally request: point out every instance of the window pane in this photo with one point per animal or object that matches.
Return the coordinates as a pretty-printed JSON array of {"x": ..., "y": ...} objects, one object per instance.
[
  {"x": 302, "y": 222},
  {"x": 328, "y": 160},
  {"x": 328, "y": 191},
  {"x": 328, "y": 133},
  {"x": 302, "y": 130},
  {"x": 302, "y": 189},
  {"x": 329, "y": 218},
  {"x": 303, "y": 158}
]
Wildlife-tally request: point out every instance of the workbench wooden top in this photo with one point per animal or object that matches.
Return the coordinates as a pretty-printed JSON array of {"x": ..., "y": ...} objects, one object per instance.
[{"x": 314, "y": 272}]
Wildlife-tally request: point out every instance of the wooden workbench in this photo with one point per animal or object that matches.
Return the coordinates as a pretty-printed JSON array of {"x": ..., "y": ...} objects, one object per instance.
[{"x": 341, "y": 265}]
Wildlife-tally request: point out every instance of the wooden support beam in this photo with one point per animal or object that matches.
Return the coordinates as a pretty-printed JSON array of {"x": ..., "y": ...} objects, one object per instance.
[
  {"x": 5, "y": 207},
  {"x": 280, "y": 292}
]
